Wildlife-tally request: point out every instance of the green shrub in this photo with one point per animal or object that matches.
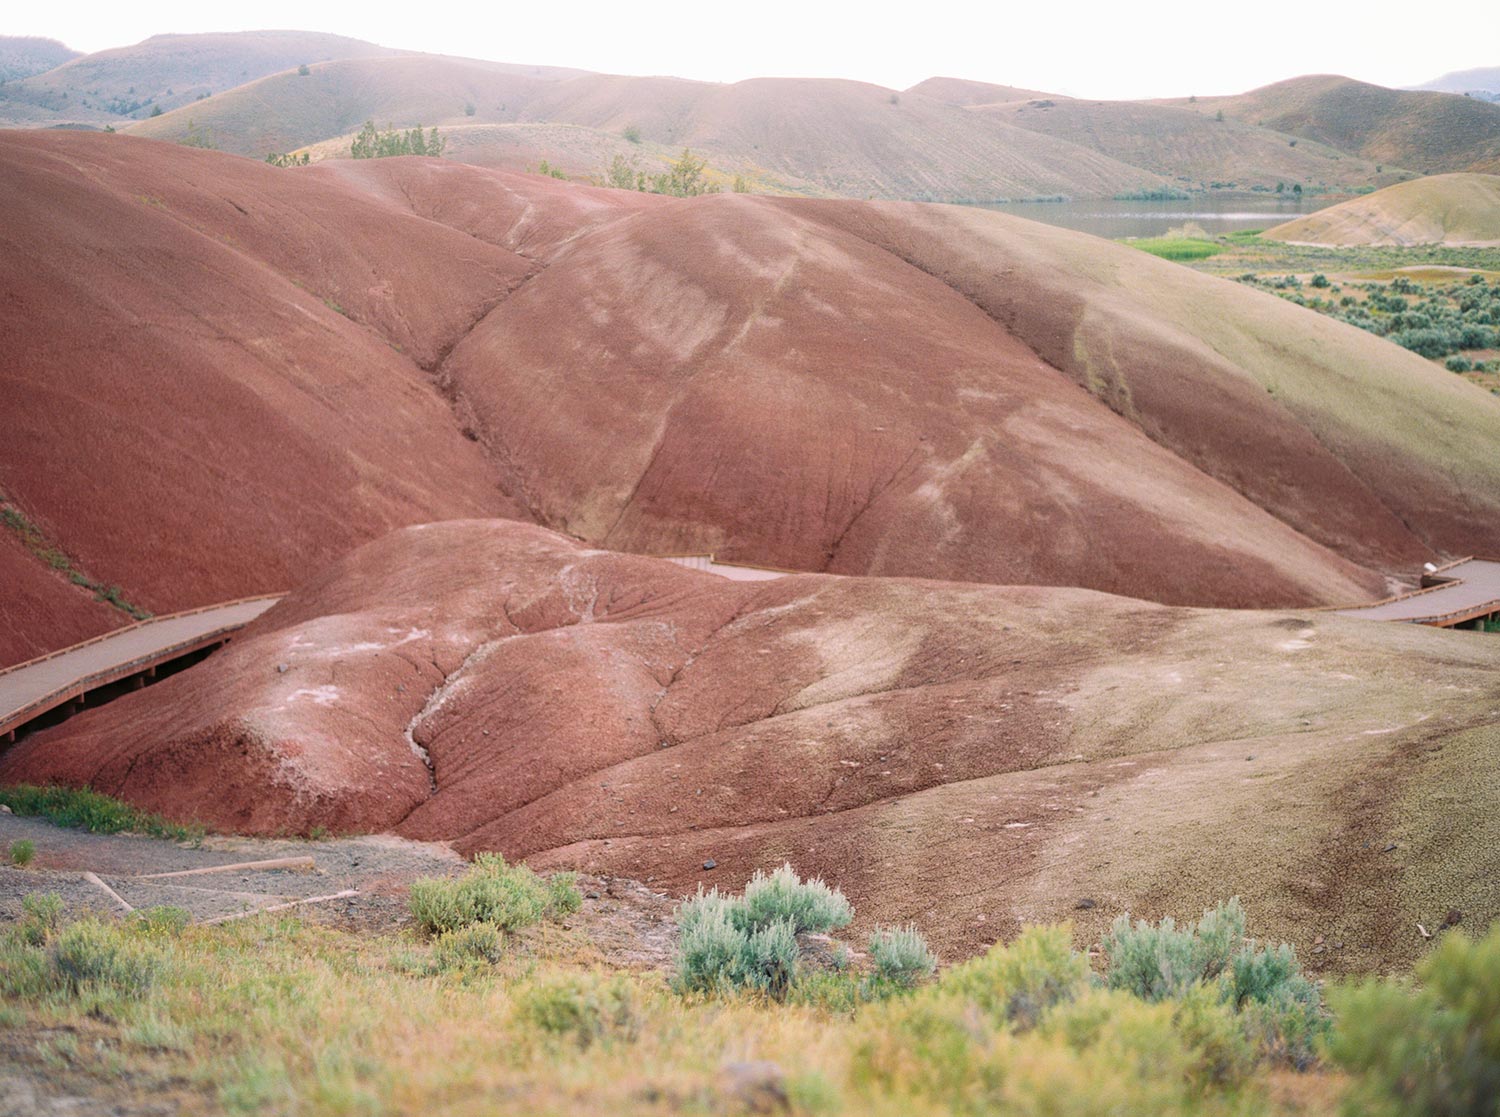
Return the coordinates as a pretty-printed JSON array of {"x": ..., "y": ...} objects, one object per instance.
[
  {"x": 22, "y": 852},
  {"x": 563, "y": 897},
  {"x": 24, "y": 970},
  {"x": 475, "y": 944},
  {"x": 92, "y": 953},
  {"x": 767, "y": 962},
  {"x": 586, "y": 1009},
  {"x": 507, "y": 896},
  {"x": 901, "y": 956},
  {"x": 41, "y": 916},
  {"x": 809, "y": 905},
  {"x": 750, "y": 942},
  {"x": 1430, "y": 1050},
  {"x": 1278, "y": 1008},
  {"x": 374, "y": 144},
  {"x": 1320, "y": 280},
  {"x": 160, "y": 922},
  {"x": 1157, "y": 962},
  {"x": 1017, "y": 983},
  {"x": 708, "y": 945}
]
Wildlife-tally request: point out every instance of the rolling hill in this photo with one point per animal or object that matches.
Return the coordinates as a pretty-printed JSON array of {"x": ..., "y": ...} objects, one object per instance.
[
  {"x": 173, "y": 323},
  {"x": 501, "y": 687},
  {"x": 1458, "y": 209},
  {"x": 279, "y": 364},
  {"x": 1485, "y": 79},
  {"x": 1188, "y": 145},
  {"x": 163, "y": 72},
  {"x": 1421, "y": 131},
  {"x": 807, "y": 136},
  {"x": 289, "y": 110},
  {"x": 24, "y": 55}
]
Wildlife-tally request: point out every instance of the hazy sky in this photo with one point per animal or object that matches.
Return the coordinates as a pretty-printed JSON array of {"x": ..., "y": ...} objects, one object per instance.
[{"x": 1088, "y": 48}]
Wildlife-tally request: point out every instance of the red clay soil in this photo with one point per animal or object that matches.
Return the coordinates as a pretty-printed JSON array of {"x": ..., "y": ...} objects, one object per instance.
[
  {"x": 42, "y": 610},
  {"x": 186, "y": 412},
  {"x": 219, "y": 375},
  {"x": 493, "y": 684}
]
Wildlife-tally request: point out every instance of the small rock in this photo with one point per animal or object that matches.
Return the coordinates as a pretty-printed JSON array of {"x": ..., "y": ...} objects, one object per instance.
[
  {"x": 1250, "y": 757},
  {"x": 281, "y": 668},
  {"x": 710, "y": 864},
  {"x": 591, "y": 895},
  {"x": 1388, "y": 848},
  {"x": 755, "y": 1087},
  {"x": 1085, "y": 904},
  {"x": 1317, "y": 950},
  {"x": 1318, "y": 941},
  {"x": 1453, "y": 918},
  {"x": 4, "y": 809}
]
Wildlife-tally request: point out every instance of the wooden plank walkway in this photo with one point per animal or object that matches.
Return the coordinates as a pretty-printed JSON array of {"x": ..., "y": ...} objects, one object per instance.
[
  {"x": 31, "y": 689},
  {"x": 1468, "y": 589}
]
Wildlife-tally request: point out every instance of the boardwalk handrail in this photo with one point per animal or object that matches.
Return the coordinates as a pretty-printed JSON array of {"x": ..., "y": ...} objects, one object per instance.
[{"x": 112, "y": 633}]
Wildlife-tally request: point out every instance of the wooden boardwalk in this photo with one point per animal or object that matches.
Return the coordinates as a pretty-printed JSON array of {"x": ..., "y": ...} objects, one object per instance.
[
  {"x": 36, "y": 688},
  {"x": 1463, "y": 592}
]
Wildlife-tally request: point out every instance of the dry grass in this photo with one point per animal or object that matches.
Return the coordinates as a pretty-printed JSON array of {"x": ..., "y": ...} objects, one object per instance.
[{"x": 272, "y": 1016}]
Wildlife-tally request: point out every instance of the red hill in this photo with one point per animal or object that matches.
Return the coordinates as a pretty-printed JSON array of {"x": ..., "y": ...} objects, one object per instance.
[
  {"x": 496, "y": 685},
  {"x": 220, "y": 374}
]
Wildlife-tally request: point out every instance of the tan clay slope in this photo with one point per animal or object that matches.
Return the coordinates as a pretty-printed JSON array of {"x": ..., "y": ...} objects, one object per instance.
[
  {"x": 846, "y": 138},
  {"x": 962, "y": 91},
  {"x": 1459, "y": 209},
  {"x": 288, "y": 110},
  {"x": 1421, "y": 131},
  {"x": 812, "y": 136},
  {"x": 1190, "y": 145},
  {"x": 187, "y": 414},
  {"x": 166, "y": 71},
  {"x": 496, "y": 685}
]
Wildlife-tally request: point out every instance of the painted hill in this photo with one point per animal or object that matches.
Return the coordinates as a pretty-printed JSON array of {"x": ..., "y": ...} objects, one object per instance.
[
  {"x": 289, "y": 110},
  {"x": 1192, "y": 147},
  {"x": 165, "y": 71},
  {"x": 1443, "y": 209},
  {"x": 807, "y": 136},
  {"x": 187, "y": 413},
  {"x": 280, "y": 364},
  {"x": 962, "y": 91},
  {"x": 1422, "y": 131},
  {"x": 24, "y": 55},
  {"x": 501, "y": 687}
]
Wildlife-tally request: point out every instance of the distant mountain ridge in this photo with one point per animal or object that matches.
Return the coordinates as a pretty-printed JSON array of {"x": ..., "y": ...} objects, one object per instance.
[
  {"x": 163, "y": 72},
  {"x": 24, "y": 55},
  {"x": 1432, "y": 133},
  {"x": 944, "y": 139},
  {"x": 1486, "y": 79}
]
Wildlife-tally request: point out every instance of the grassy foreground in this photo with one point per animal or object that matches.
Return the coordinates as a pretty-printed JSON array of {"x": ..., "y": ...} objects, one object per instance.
[{"x": 494, "y": 1006}]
